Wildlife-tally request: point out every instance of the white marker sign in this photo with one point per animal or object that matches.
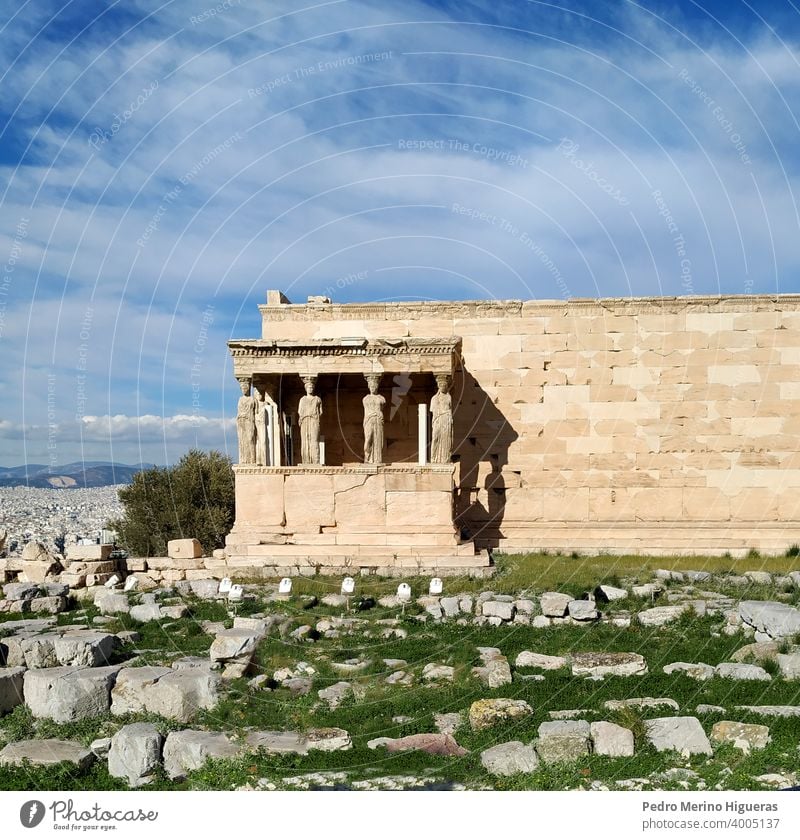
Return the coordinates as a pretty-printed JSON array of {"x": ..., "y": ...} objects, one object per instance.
[
  {"x": 404, "y": 592},
  {"x": 348, "y": 586},
  {"x": 436, "y": 586},
  {"x": 285, "y": 586},
  {"x": 225, "y": 586}
]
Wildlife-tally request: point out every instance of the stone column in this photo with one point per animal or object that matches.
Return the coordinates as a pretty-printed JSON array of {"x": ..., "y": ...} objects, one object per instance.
[
  {"x": 246, "y": 423},
  {"x": 442, "y": 423},
  {"x": 309, "y": 412},
  {"x": 422, "y": 433}
]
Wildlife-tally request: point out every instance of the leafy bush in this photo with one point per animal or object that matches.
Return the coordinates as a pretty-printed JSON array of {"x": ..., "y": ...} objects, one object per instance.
[{"x": 193, "y": 498}]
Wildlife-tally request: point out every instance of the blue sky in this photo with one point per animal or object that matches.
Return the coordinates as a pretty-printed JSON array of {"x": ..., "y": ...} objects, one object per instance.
[{"x": 163, "y": 164}]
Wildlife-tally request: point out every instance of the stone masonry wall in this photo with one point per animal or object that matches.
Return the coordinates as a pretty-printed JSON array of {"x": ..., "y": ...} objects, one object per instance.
[{"x": 651, "y": 424}]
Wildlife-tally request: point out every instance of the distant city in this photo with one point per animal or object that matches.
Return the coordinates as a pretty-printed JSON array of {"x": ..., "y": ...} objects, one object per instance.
[{"x": 61, "y": 505}]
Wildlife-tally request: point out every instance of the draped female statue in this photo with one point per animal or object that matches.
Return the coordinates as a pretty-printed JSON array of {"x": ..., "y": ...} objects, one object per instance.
[
  {"x": 246, "y": 423},
  {"x": 309, "y": 412},
  {"x": 442, "y": 423},
  {"x": 373, "y": 422}
]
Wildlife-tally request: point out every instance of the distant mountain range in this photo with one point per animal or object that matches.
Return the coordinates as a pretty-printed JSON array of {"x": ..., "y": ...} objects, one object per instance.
[{"x": 79, "y": 474}]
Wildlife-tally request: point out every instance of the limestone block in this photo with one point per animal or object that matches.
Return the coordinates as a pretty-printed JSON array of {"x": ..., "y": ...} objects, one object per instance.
[
  {"x": 682, "y": 734},
  {"x": 309, "y": 502},
  {"x": 188, "y": 750},
  {"x": 509, "y": 758},
  {"x": 186, "y": 548},
  {"x": 733, "y": 374},
  {"x": 99, "y": 552},
  {"x": 611, "y": 739},
  {"x": 11, "y": 681},
  {"x": 45, "y": 752},
  {"x": 68, "y": 694},
  {"x": 135, "y": 753},
  {"x": 259, "y": 500}
]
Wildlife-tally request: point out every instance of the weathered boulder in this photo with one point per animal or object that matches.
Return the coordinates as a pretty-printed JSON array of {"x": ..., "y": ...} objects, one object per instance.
[
  {"x": 68, "y": 694},
  {"x": 145, "y": 612},
  {"x": 610, "y": 739},
  {"x": 554, "y": 604},
  {"x": 189, "y": 749},
  {"x": 510, "y": 758},
  {"x": 695, "y": 670},
  {"x": 335, "y": 694},
  {"x": 500, "y": 609},
  {"x": 744, "y": 736},
  {"x": 563, "y": 740},
  {"x": 135, "y": 753},
  {"x": 772, "y": 618},
  {"x": 682, "y": 734},
  {"x": 111, "y": 603},
  {"x": 45, "y": 753},
  {"x": 448, "y": 722},
  {"x": 789, "y": 664},
  {"x": 608, "y": 664},
  {"x": 486, "y": 713},
  {"x": 11, "y": 681},
  {"x": 583, "y": 610},
  {"x": 328, "y": 739},
  {"x": 163, "y": 691},
  {"x": 529, "y": 659},
  {"x": 433, "y": 743},
  {"x": 606, "y": 593},
  {"x": 277, "y": 742},
  {"x": 759, "y": 651},
  {"x": 434, "y": 672},
  {"x": 742, "y": 671},
  {"x": 496, "y": 671},
  {"x": 235, "y": 643}
]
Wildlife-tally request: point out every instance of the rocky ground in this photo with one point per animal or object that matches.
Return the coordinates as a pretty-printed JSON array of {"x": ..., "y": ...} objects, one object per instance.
[{"x": 674, "y": 680}]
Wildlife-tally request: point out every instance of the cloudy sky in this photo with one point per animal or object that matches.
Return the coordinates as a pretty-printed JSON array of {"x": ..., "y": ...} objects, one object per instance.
[{"x": 163, "y": 164}]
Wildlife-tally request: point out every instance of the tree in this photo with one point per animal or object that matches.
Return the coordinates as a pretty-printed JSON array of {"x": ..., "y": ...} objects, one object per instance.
[{"x": 193, "y": 498}]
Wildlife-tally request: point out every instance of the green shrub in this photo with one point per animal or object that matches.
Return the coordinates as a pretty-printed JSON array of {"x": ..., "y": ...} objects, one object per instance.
[{"x": 193, "y": 498}]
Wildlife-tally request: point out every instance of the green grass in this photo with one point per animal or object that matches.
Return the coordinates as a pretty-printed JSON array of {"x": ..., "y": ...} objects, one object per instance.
[{"x": 690, "y": 639}]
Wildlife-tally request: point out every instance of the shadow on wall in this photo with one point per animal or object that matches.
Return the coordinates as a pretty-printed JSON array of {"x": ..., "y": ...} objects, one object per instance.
[{"x": 482, "y": 436}]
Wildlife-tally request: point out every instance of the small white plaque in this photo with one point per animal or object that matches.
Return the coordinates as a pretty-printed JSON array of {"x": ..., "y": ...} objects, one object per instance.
[
  {"x": 348, "y": 586},
  {"x": 131, "y": 583},
  {"x": 236, "y": 592},
  {"x": 285, "y": 586},
  {"x": 404, "y": 592},
  {"x": 436, "y": 586},
  {"x": 225, "y": 585},
  {"x": 111, "y": 582}
]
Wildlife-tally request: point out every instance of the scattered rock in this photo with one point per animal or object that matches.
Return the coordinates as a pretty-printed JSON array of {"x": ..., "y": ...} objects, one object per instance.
[
  {"x": 188, "y": 749},
  {"x": 67, "y": 694},
  {"x": 610, "y": 739},
  {"x": 706, "y": 709},
  {"x": 554, "y": 604},
  {"x": 448, "y": 722},
  {"x": 135, "y": 753},
  {"x": 45, "y": 753},
  {"x": 682, "y": 734},
  {"x": 433, "y": 743},
  {"x": 510, "y": 758},
  {"x": 658, "y": 616},
  {"x": 741, "y": 671},
  {"x": 334, "y": 694},
  {"x": 773, "y": 711},
  {"x": 11, "y": 682},
  {"x": 695, "y": 670},
  {"x": 605, "y": 594},
  {"x": 434, "y": 672},
  {"x": 500, "y": 609},
  {"x": 486, "y": 713},
  {"x": 583, "y": 610},
  {"x": 744, "y": 736},
  {"x": 772, "y": 618},
  {"x": 608, "y": 664},
  {"x": 563, "y": 740},
  {"x": 178, "y": 695},
  {"x": 641, "y": 703},
  {"x": 529, "y": 659}
]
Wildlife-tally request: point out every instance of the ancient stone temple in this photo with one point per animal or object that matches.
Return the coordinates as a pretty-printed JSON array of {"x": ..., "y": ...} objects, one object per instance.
[{"x": 421, "y": 434}]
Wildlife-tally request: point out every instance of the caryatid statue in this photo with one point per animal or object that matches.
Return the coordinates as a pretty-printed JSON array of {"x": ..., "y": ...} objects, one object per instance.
[
  {"x": 262, "y": 459},
  {"x": 246, "y": 423},
  {"x": 442, "y": 422},
  {"x": 309, "y": 412},
  {"x": 373, "y": 421}
]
